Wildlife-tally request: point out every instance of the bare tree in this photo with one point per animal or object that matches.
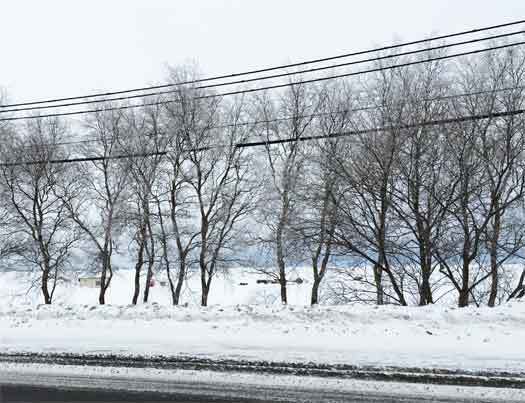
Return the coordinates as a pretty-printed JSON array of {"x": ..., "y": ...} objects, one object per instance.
[
  {"x": 503, "y": 158},
  {"x": 368, "y": 166},
  {"x": 35, "y": 189},
  {"x": 209, "y": 172},
  {"x": 486, "y": 187},
  {"x": 12, "y": 239},
  {"x": 421, "y": 193},
  {"x": 289, "y": 118},
  {"x": 318, "y": 192},
  {"x": 103, "y": 181},
  {"x": 175, "y": 202},
  {"x": 220, "y": 182},
  {"x": 148, "y": 143}
]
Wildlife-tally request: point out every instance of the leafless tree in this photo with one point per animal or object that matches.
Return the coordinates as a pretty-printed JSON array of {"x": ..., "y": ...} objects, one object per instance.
[
  {"x": 12, "y": 240},
  {"x": 288, "y": 118},
  {"x": 318, "y": 192},
  {"x": 503, "y": 157},
  {"x": 35, "y": 193},
  {"x": 488, "y": 184},
  {"x": 148, "y": 143},
  {"x": 421, "y": 193},
  {"x": 220, "y": 182},
  {"x": 211, "y": 173},
  {"x": 175, "y": 202},
  {"x": 368, "y": 166},
  {"x": 103, "y": 180}
]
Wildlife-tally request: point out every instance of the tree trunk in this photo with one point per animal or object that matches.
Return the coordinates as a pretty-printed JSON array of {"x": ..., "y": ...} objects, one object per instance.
[
  {"x": 463, "y": 300},
  {"x": 315, "y": 291},
  {"x": 381, "y": 244},
  {"x": 174, "y": 300},
  {"x": 425, "y": 290},
  {"x": 180, "y": 281},
  {"x": 425, "y": 261},
  {"x": 493, "y": 283},
  {"x": 282, "y": 270},
  {"x": 464, "y": 291},
  {"x": 138, "y": 269},
  {"x": 102, "y": 293},
  {"x": 44, "y": 286},
  {"x": 396, "y": 287},
  {"x": 104, "y": 278},
  {"x": 494, "y": 255},
  {"x": 150, "y": 253},
  {"x": 204, "y": 295},
  {"x": 378, "y": 272},
  {"x": 282, "y": 283},
  {"x": 149, "y": 276}
]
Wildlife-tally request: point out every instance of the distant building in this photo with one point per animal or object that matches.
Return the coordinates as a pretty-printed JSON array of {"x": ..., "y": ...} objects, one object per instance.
[{"x": 89, "y": 281}]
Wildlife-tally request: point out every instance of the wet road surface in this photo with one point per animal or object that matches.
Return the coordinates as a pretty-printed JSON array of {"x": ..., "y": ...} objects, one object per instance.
[{"x": 37, "y": 394}]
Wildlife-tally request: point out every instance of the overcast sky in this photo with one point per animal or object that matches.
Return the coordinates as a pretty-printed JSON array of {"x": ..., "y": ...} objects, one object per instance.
[{"x": 58, "y": 48}]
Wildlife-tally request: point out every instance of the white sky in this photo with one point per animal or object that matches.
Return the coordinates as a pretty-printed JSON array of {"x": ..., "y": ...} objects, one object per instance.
[{"x": 52, "y": 48}]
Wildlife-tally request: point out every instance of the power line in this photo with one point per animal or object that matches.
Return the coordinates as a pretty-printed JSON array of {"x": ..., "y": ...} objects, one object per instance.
[
  {"x": 269, "y": 77},
  {"x": 461, "y": 119},
  {"x": 271, "y": 87},
  {"x": 316, "y": 115},
  {"x": 280, "y": 141},
  {"x": 273, "y": 68}
]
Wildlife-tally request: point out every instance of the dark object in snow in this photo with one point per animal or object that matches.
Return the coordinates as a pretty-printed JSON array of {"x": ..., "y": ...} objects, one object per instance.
[
  {"x": 267, "y": 281},
  {"x": 243, "y": 283},
  {"x": 429, "y": 332},
  {"x": 299, "y": 280}
]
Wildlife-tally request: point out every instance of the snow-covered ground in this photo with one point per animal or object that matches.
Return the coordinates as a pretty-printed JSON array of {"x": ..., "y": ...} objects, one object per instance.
[
  {"x": 246, "y": 325},
  {"x": 16, "y": 288}
]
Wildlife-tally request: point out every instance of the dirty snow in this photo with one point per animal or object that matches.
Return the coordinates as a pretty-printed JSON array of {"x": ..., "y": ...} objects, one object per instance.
[{"x": 161, "y": 380}]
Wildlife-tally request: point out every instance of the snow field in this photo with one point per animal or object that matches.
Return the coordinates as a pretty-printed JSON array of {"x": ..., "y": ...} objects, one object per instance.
[{"x": 242, "y": 324}]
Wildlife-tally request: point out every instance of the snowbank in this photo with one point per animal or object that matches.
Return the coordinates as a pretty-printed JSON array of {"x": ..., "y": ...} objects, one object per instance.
[{"x": 434, "y": 336}]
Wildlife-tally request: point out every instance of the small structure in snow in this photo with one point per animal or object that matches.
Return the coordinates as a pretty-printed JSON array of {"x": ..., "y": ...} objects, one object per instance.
[{"x": 89, "y": 281}]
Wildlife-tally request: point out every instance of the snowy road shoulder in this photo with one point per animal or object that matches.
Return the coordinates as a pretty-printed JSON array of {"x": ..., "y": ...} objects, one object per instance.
[
  {"x": 328, "y": 371},
  {"x": 239, "y": 384}
]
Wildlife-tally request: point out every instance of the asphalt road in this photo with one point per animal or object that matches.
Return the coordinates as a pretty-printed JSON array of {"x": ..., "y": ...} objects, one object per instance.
[
  {"x": 34, "y": 394},
  {"x": 37, "y": 394},
  {"x": 38, "y": 385},
  {"x": 98, "y": 389}
]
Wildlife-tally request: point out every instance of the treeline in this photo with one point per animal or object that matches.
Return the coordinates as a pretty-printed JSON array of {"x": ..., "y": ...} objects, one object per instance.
[{"x": 414, "y": 173}]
